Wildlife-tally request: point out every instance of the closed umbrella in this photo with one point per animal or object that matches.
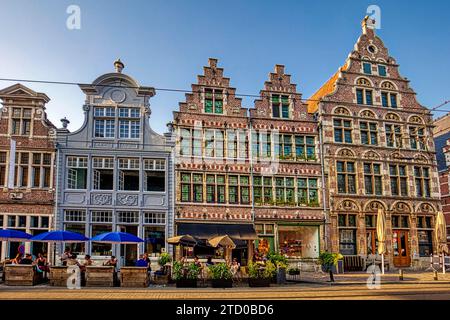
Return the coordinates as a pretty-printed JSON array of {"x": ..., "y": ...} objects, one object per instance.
[
  {"x": 381, "y": 236},
  {"x": 440, "y": 232},
  {"x": 117, "y": 237}
]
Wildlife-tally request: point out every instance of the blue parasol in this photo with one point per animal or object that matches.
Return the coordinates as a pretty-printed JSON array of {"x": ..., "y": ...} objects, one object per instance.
[
  {"x": 60, "y": 236},
  {"x": 117, "y": 237},
  {"x": 14, "y": 235}
]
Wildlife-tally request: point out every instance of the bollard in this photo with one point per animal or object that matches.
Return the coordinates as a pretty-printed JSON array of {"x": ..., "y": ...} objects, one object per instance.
[
  {"x": 435, "y": 275},
  {"x": 400, "y": 274}
]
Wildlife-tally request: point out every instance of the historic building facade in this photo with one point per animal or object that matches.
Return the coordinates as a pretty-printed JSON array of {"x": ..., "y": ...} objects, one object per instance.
[
  {"x": 236, "y": 171},
  {"x": 378, "y": 154},
  {"x": 115, "y": 173},
  {"x": 27, "y": 157}
]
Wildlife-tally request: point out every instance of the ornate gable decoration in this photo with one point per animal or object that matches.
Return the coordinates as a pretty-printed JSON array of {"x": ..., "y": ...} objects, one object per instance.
[
  {"x": 371, "y": 155},
  {"x": 347, "y": 153},
  {"x": 401, "y": 207},
  {"x": 416, "y": 119},
  {"x": 341, "y": 111},
  {"x": 388, "y": 85},
  {"x": 392, "y": 116},
  {"x": 347, "y": 205},
  {"x": 426, "y": 208},
  {"x": 363, "y": 82},
  {"x": 374, "y": 206},
  {"x": 367, "y": 114}
]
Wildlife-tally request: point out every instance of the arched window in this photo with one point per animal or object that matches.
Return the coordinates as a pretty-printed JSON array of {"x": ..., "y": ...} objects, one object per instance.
[
  {"x": 388, "y": 99},
  {"x": 364, "y": 95}
]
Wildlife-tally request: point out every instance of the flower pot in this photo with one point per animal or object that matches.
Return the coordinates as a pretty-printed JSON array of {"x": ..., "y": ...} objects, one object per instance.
[
  {"x": 186, "y": 283},
  {"x": 222, "y": 283},
  {"x": 281, "y": 276},
  {"x": 259, "y": 282}
]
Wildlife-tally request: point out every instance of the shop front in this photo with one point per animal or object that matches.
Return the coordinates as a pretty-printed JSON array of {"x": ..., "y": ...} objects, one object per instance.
[
  {"x": 243, "y": 236},
  {"x": 299, "y": 240}
]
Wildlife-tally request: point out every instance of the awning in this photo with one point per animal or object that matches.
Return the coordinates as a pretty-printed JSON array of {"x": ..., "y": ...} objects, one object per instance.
[{"x": 211, "y": 230}]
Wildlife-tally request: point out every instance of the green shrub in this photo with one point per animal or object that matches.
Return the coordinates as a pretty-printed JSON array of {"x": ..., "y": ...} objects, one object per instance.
[
  {"x": 270, "y": 270},
  {"x": 193, "y": 271},
  {"x": 220, "y": 271},
  {"x": 164, "y": 258},
  {"x": 253, "y": 270},
  {"x": 177, "y": 271},
  {"x": 278, "y": 259},
  {"x": 328, "y": 260}
]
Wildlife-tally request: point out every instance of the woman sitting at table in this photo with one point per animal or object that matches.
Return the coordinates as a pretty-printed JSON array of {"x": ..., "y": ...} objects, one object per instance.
[
  {"x": 41, "y": 262},
  {"x": 111, "y": 262},
  {"x": 17, "y": 259}
]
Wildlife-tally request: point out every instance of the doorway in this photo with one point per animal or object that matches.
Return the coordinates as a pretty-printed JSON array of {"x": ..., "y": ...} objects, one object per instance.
[
  {"x": 401, "y": 248},
  {"x": 129, "y": 251}
]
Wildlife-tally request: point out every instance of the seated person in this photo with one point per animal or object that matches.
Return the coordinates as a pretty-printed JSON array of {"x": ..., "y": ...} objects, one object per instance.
[
  {"x": 87, "y": 262},
  {"x": 72, "y": 261},
  {"x": 142, "y": 262},
  {"x": 235, "y": 267},
  {"x": 111, "y": 262},
  {"x": 41, "y": 262},
  {"x": 17, "y": 259},
  {"x": 27, "y": 260}
]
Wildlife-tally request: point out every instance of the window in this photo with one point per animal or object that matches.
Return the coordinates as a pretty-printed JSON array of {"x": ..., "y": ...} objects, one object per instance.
[
  {"x": 307, "y": 191},
  {"x": 424, "y": 235},
  {"x": 285, "y": 146},
  {"x": 155, "y": 239},
  {"x": 185, "y": 187},
  {"x": 129, "y": 129},
  {"x": 11, "y": 221},
  {"x": 243, "y": 144},
  {"x": 305, "y": 147},
  {"x": 244, "y": 190},
  {"x": 233, "y": 189},
  {"x": 197, "y": 180},
  {"x": 155, "y": 175},
  {"x": 346, "y": 177},
  {"x": 400, "y": 221},
  {"x": 22, "y": 222},
  {"x": 213, "y": 101},
  {"x": 369, "y": 133},
  {"x": 97, "y": 248},
  {"x": 101, "y": 216},
  {"x": 129, "y": 174},
  {"x": 342, "y": 130},
  {"x": 367, "y": 68},
  {"x": 21, "y": 121},
  {"x": 284, "y": 191},
  {"x": 77, "y": 172},
  {"x": 422, "y": 181},
  {"x": 364, "y": 96},
  {"x": 373, "y": 179},
  {"x": 185, "y": 142},
  {"x": 399, "y": 180},
  {"x": 232, "y": 144},
  {"x": 417, "y": 138},
  {"x": 21, "y": 172},
  {"x": 44, "y": 222},
  {"x": 75, "y": 216},
  {"x": 128, "y": 217},
  {"x": 215, "y": 188},
  {"x": 197, "y": 142},
  {"x": 2, "y": 169},
  {"x": 347, "y": 234},
  {"x": 104, "y": 128},
  {"x": 382, "y": 70},
  {"x": 105, "y": 112},
  {"x": 34, "y": 222},
  {"x": 214, "y": 143},
  {"x": 103, "y": 173},
  {"x": 266, "y": 144},
  {"x": 393, "y": 135},
  {"x": 280, "y": 106},
  {"x": 77, "y": 248},
  {"x": 41, "y": 165},
  {"x": 388, "y": 99},
  {"x": 154, "y": 218}
]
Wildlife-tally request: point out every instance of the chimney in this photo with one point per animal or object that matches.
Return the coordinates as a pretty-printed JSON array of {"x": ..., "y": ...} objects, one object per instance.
[{"x": 368, "y": 25}]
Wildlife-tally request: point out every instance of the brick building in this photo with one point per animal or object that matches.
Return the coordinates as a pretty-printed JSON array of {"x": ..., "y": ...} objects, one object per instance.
[
  {"x": 27, "y": 140},
  {"x": 378, "y": 153},
  {"x": 236, "y": 170}
]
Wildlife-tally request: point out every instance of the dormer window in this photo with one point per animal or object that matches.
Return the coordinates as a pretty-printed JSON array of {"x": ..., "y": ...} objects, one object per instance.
[
  {"x": 104, "y": 126},
  {"x": 213, "y": 101},
  {"x": 280, "y": 106},
  {"x": 21, "y": 121}
]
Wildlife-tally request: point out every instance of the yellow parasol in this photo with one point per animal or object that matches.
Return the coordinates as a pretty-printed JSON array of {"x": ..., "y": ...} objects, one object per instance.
[{"x": 381, "y": 236}]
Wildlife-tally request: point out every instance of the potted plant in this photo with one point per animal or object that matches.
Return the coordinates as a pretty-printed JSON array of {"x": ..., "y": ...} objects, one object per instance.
[
  {"x": 280, "y": 262},
  {"x": 293, "y": 271},
  {"x": 329, "y": 261},
  {"x": 221, "y": 276},
  {"x": 260, "y": 276},
  {"x": 164, "y": 258},
  {"x": 185, "y": 276}
]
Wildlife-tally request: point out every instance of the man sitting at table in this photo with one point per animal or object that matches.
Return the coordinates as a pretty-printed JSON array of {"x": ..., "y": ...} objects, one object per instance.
[
  {"x": 27, "y": 260},
  {"x": 142, "y": 262}
]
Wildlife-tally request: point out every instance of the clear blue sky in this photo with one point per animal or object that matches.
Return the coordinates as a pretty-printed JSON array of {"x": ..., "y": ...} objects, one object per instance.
[{"x": 165, "y": 44}]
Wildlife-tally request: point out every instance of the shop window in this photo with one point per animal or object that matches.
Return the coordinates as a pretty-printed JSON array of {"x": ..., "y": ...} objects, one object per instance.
[
  {"x": 422, "y": 181},
  {"x": 280, "y": 106},
  {"x": 399, "y": 180},
  {"x": 155, "y": 239},
  {"x": 373, "y": 179},
  {"x": 155, "y": 175},
  {"x": 103, "y": 173},
  {"x": 77, "y": 172},
  {"x": 2, "y": 169},
  {"x": 346, "y": 177},
  {"x": 417, "y": 138},
  {"x": 369, "y": 133},
  {"x": 347, "y": 241},
  {"x": 21, "y": 121},
  {"x": 213, "y": 101},
  {"x": 129, "y": 174},
  {"x": 100, "y": 249},
  {"x": 394, "y": 135},
  {"x": 342, "y": 131},
  {"x": 78, "y": 248},
  {"x": 424, "y": 235},
  {"x": 299, "y": 241},
  {"x": 372, "y": 241}
]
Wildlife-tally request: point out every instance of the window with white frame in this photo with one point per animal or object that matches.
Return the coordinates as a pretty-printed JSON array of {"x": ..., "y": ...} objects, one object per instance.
[
  {"x": 129, "y": 123},
  {"x": 129, "y": 174},
  {"x": 101, "y": 216},
  {"x": 155, "y": 175},
  {"x": 41, "y": 165},
  {"x": 103, "y": 173},
  {"x": 77, "y": 172},
  {"x": 21, "y": 121},
  {"x": 154, "y": 218},
  {"x": 2, "y": 169},
  {"x": 127, "y": 217},
  {"x": 75, "y": 216},
  {"x": 21, "y": 172},
  {"x": 214, "y": 143}
]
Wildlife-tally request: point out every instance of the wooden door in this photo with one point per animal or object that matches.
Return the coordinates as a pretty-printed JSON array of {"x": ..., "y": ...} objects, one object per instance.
[{"x": 401, "y": 248}]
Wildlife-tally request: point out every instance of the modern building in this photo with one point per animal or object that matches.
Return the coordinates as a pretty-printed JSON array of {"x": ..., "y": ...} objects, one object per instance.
[
  {"x": 115, "y": 173},
  {"x": 27, "y": 158},
  {"x": 378, "y": 154},
  {"x": 237, "y": 170}
]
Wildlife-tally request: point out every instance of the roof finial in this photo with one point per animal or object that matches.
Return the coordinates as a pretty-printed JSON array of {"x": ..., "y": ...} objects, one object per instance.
[
  {"x": 118, "y": 65},
  {"x": 367, "y": 23},
  {"x": 65, "y": 122}
]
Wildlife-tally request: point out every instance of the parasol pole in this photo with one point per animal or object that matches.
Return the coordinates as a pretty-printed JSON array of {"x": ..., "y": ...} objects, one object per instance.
[{"x": 382, "y": 263}]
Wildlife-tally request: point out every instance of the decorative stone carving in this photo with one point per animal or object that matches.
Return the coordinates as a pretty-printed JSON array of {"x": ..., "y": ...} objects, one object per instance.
[
  {"x": 86, "y": 107},
  {"x": 346, "y": 153},
  {"x": 392, "y": 116},
  {"x": 375, "y": 205},
  {"x": 118, "y": 96},
  {"x": 348, "y": 205},
  {"x": 192, "y": 106},
  {"x": 367, "y": 114},
  {"x": 372, "y": 155},
  {"x": 341, "y": 111},
  {"x": 401, "y": 207},
  {"x": 415, "y": 119},
  {"x": 127, "y": 199},
  {"x": 426, "y": 207},
  {"x": 101, "y": 199}
]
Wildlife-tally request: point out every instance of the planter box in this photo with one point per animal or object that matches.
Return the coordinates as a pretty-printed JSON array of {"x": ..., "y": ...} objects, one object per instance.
[
  {"x": 186, "y": 283},
  {"x": 258, "y": 282},
  {"x": 99, "y": 276},
  {"x": 161, "y": 279},
  {"x": 222, "y": 283},
  {"x": 20, "y": 275},
  {"x": 136, "y": 277},
  {"x": 58, "y": 276}
]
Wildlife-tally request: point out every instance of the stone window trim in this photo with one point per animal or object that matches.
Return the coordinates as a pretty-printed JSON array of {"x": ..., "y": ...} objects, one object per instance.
[
  {"x": 217, "y": 97},
  {"x": 422, "y": 181},
  {"x": 373, "y": 178},
  {"x": 346, "y": 174},
  {"x": 342, "y": 130},
  {"x": 101, "y": 216},
  {"x": 21, "y": 121},
  {"x": 399, "y": 179},
  {"x": 394, "y": 135},
  {"x": 369, "y": 129},
  {"x": 417, "y": 137},
  {"x": 281, "y": 106},
  {"x": 74, "y": 215}
]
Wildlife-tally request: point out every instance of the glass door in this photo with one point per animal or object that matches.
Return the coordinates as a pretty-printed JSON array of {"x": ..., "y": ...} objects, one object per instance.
[{"x": 401, "y": 248}]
